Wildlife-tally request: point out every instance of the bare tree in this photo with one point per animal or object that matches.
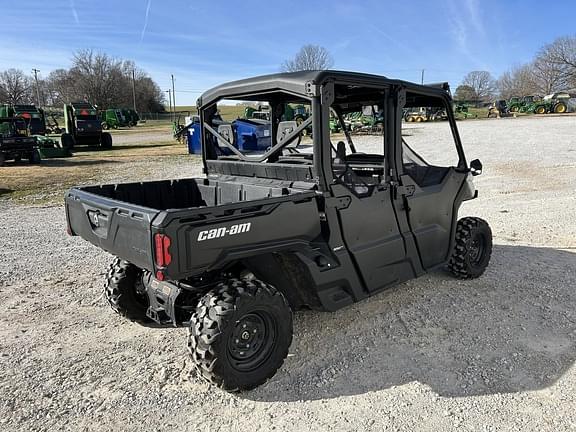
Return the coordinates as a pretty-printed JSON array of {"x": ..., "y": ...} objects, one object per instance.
[
  {"x": 15, "y": 87},
  {"x": 104, "y": 81},
  {"x": 555, "y": 66},
  {"x": 310, "y": 57},
  {"x": 482, "y": 83},
  {"x": 518, "y": 81}
]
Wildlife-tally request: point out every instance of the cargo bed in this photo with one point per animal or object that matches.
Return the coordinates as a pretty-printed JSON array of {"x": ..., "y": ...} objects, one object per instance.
[{"x": 199, "y": 215}]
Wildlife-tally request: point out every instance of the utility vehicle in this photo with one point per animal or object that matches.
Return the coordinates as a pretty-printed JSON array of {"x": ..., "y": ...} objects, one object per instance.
[
  {"x": 15, "y": 141},
  {"x": 315, "y": 222}
]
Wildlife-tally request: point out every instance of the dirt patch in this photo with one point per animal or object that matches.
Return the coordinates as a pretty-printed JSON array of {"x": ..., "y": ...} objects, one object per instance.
[{"x": 137, "y": 153}]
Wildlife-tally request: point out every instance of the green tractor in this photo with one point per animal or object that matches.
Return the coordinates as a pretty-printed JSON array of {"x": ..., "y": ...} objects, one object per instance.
[
  {"x": 113, "y": 119},
  {"x": 556, "y": 103},
  {"x": 83, "y": 127},
  {"x": 131, "y": 116},
  {"x": 515, "y": 104}
]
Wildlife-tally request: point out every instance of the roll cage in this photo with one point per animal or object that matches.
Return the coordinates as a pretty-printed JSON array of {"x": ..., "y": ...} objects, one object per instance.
[{"x": 322, "y": 89}]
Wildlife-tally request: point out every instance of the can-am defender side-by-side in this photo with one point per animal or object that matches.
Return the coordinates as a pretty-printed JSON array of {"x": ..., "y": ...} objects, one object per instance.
[{"x": 282, "y": 221}]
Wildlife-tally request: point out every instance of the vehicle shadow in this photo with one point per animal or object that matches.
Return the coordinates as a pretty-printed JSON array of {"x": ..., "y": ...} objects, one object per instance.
[
  {"x": 512, "y": 330},
  {"x": 119, "y": 147},
  {"x": 4, "y": 191},
  {"x": 75, "y": 162}
]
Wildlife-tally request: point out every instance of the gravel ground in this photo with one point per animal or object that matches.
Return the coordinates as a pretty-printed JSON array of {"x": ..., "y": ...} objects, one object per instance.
[{"x": 434, "y": 354}]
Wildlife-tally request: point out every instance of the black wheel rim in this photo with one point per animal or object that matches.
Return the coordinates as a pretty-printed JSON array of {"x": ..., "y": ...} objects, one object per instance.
[
  {"x": 476, "y": 249},
  {"x": 252, "y": 341}
]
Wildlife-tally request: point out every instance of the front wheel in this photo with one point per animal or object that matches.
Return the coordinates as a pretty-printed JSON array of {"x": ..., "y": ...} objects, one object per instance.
[
  {"x": 35, "y": 157},
  {"x": 472, "y": 248},
  {"x": 540, "y": 110},
  {"x": 240, "y": 334}
]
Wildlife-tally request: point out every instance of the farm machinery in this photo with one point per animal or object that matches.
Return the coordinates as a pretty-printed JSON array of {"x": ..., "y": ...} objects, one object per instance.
[
  {"x": 113, "y": 119},
  {"x": 131, "y": 116},
  {"x": 499, "y": 109},
  {"x": 16, "y": 142},
  {"x": 558, "y": 103},
  {"x": 34, "y": 121},
  {"x": 83, "y": 127}
]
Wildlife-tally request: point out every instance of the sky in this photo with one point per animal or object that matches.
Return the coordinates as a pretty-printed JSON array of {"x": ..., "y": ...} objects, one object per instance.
[{"x": 206, "y": 43}]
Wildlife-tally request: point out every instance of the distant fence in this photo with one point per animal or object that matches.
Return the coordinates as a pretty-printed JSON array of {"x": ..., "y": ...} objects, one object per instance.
[{"x": 167, "y": 116}]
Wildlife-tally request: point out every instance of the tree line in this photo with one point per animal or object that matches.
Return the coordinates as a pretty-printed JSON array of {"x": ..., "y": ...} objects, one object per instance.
[
  {"x": 553, "y": 69},
  {"x": 96, "y": 77}
]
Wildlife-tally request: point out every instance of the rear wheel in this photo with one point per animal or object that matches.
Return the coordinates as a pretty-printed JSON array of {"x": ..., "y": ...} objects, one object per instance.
[
  {"x": 106, "y": 140},
  {"x": 540, "y": 109},
  {"x": 126, "y": 292},
  {"x": 472, "y": 248},
  {"x": 240, "y": 334},
  {"x": 560, "y": 108}
]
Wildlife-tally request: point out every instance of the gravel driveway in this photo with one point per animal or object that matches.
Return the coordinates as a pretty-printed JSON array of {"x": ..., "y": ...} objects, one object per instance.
[{"x": 434, "y": 354}]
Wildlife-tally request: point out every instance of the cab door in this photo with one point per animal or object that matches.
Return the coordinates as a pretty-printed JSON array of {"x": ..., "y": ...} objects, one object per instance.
[
  {"x": 359, "y": 167},
  {"x": 430, "y": 175}
]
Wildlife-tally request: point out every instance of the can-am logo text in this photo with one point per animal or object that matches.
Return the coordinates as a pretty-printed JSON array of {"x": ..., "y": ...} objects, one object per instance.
[{"x": 221, "y": 232}]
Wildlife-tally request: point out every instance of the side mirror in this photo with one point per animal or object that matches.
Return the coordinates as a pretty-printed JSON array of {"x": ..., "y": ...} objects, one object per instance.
[{"x": 476, "y": 167}]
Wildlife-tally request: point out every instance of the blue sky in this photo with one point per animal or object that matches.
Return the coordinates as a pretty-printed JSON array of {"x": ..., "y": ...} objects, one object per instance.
[{"x": 204, "y": 43}]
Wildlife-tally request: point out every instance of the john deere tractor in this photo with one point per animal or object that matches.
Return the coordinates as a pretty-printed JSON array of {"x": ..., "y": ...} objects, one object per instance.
[
  {"x": 114, "y": 119},
  {"x": 83, "y": 126}
]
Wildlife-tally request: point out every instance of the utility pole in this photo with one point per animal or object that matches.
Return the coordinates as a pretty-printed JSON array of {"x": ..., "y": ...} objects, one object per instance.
[
  {"x": 422, "y": 78},
  {"x": 35, "y": 71},
  {"x": 134, "y": 88},
  {"x": 170, "y": 104},
  {"x": 173, "y": 94}
]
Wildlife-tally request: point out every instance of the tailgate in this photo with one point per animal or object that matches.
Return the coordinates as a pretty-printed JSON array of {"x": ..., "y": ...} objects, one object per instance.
[{"x": 117, "y": 227}]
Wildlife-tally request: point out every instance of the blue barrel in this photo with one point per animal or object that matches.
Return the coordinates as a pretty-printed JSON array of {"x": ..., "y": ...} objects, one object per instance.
[{"x": 193, "y": 138}]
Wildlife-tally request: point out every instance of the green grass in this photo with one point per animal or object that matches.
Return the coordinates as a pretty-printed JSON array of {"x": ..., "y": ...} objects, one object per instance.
[{"x": 228, "y": 112}]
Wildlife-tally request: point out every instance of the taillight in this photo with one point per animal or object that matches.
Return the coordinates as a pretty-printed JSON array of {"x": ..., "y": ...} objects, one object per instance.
[{"x": 162, "y": 250}]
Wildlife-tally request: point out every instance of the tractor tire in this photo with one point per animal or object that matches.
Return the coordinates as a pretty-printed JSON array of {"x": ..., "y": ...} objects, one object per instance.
[
  {"x": 126, "y": 292},
  {"x": 419, "y": 119},
  {"x": 472, "y": 248},
  {"x": 67, "y": 141},
  {"x": 106, "y": 140},
  {"x": 105, "y": 126},
  {"x": 560, "y": 108},
  {"x": 240, "y": 334},
  {"x": 35, "y": 158},
  {"x": 409, "y": 119},
  {"x": 514, "y": 109},
  {"x": 541, "y": 109}
]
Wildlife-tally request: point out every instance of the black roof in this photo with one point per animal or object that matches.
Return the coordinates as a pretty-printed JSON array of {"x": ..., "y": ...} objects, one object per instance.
[{"x": 295, "y": 82}]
